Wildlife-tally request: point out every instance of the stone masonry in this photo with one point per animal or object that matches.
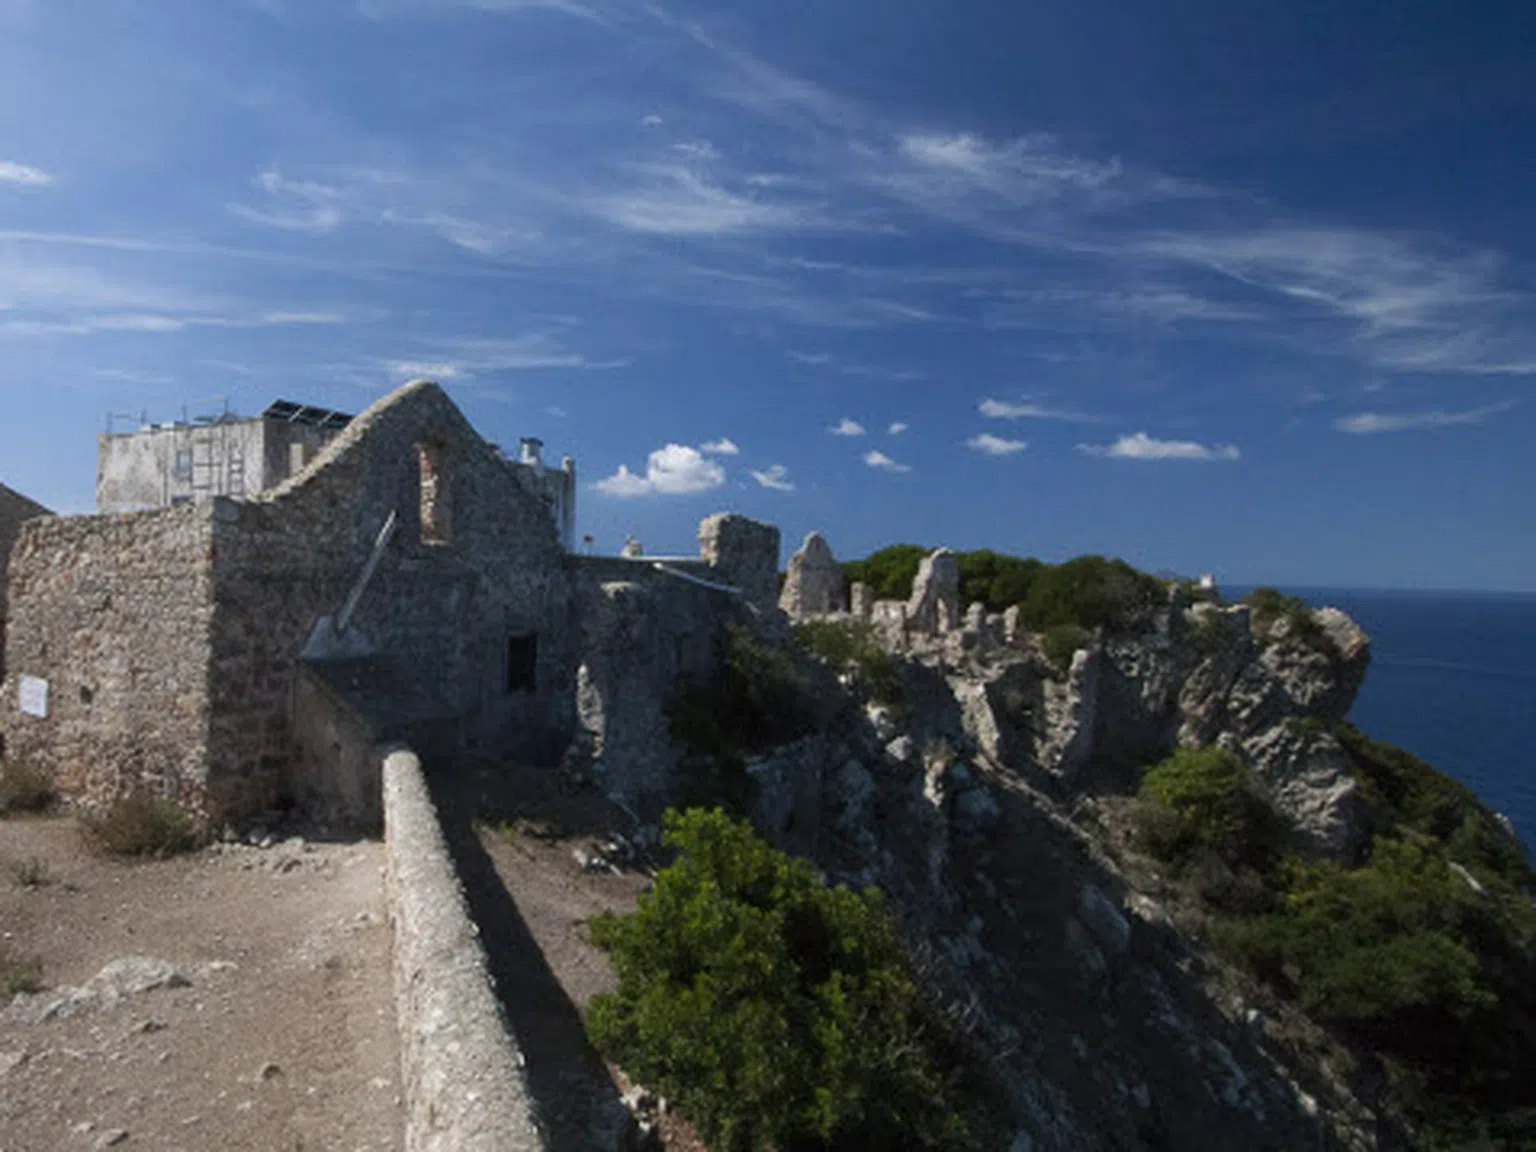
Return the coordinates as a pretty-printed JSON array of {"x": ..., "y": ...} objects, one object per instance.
[
  {"x": 15, "y": 509},
  {"x": 196, "y": 651},
  {"x": 814, "y": 583}
]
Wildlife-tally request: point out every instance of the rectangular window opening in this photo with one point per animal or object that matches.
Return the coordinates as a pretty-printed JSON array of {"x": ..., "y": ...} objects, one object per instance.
[
  {"x": 436, "y": 524},
  {"x": 522, "y": 664}
]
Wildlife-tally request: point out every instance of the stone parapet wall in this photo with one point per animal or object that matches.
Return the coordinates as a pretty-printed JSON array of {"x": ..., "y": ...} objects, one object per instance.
[
  {"x": 114, "y": 613},
  {"x": 465, "y": 1090}
]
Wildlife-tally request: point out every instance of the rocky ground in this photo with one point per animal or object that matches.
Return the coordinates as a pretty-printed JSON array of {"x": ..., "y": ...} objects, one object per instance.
[{"x": 238, "y": 998}]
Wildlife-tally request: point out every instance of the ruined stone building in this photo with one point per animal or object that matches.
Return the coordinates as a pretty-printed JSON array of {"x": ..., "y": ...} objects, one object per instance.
[
  {"x": 15, "y": 509},
  {"x": 407, "y": 580}
]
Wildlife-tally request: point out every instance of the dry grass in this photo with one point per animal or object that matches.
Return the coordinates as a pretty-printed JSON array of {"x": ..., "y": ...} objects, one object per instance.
[
  {"x": 19, "y": 974},
  {"x": 24, "y": 788},
  {"x": 141, "y": 824}
]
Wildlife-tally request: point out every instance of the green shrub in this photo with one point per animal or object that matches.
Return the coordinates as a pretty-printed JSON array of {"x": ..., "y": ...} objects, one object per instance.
[
  {"x": 142, "y": 824},
  {"x": 1204, "y": 800},
  {"x": 23, "y": 788},
  {"x": 1209, "y": 635},
  {"x": 1062, "y": 642},
  {"x": 888, "y": 572},
  {"x": 1091, "y": 592},
  {"x": 1413, "y": 794},
  {"x": 756, "y": 703},
  {"x": 1269, "y": 605},
  {"x": 854, "y": 644},
  {"x": 19, "y": 974},
  {"x": 33, "y": 872},
  {"x": 776, "y": 1012},
  {"x": 996, "y": 580}
]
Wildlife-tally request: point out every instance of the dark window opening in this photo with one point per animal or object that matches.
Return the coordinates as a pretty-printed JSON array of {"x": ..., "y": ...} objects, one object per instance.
[{"x": 522, "y": 667}]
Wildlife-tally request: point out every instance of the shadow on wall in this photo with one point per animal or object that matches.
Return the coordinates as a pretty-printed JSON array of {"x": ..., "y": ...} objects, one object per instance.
[{"x": 570, "y": 1084}]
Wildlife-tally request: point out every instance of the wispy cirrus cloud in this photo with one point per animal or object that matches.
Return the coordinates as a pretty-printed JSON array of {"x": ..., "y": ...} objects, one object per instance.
[
  {"x": 882, "y": 463},
  {"x": 1368, "y": 423},
  {"x": 775, "y": 476},
  {"x": 23, "y": 175},
  {"x": 724, "y": 446},
  {"x": 466, "y": 357},
  {"x": 989, "y": 445},
  {"x": 678, "y": 200},
  {"x": 672, "y": 470},
  {"x": 1030, "y": 410},
  {"x": 1140, "y": 446}
]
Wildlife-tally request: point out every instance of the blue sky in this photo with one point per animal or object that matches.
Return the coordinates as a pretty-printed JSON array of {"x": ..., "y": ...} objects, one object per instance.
[{"x": 1248, "y": 288}]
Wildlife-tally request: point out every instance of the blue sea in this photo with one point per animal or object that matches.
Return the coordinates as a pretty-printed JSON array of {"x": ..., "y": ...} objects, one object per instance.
[{"x": 1452, "y": 680}]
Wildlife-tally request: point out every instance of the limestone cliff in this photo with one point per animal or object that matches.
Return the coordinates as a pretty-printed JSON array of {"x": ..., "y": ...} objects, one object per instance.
[{"x": 973, "y": 805}]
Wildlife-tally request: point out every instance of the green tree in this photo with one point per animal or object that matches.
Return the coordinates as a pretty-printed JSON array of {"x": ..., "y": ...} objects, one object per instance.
[{"x": 775, "y": 1011}]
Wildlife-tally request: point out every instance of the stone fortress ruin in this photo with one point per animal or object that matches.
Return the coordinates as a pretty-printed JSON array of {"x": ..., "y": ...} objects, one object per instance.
[{"x": 258, "y": 604}]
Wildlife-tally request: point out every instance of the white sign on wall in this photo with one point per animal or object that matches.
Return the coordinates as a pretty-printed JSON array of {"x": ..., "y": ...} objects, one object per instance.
[{"x": 33, "y": 695}]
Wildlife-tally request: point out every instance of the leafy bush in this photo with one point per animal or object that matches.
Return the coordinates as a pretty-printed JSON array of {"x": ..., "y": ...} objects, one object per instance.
[
  {"x": 1209, "y": 635},
  {"x": 996, "y": 580},
  {"x": 1203, "y": 800},
  {"x": 888, "y": 572},
  {"x": 1091, "y": 592},
  {"x": 756, "y": 703},
  {"x": 1413, "y": 794},
  {"x": 774, "y": 1010},
  {"x": 33, "y": 872},
  {"x": 1061, "y": 643},
  {"x": 1269, "y": 605},
  {"x": 23, "y": 788},
  {"x": 1382, "y": 948},
  {"x": 853, "y": 644},
  {"x": 19, "y": 974},
  {"x": 142, "y": 824}
]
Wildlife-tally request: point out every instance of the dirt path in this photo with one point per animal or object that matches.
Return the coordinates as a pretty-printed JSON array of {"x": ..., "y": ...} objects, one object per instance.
[{"x": 282, "y": 1036}]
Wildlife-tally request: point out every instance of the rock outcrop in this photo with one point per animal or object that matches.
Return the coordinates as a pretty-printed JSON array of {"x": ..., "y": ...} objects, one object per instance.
[
  {"x": 813, "y": 583},
  {"x": 935, "y": 602}
]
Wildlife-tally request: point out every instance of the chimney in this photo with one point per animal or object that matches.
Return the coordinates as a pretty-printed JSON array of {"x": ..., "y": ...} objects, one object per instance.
[{"x": 529, "y": 449}]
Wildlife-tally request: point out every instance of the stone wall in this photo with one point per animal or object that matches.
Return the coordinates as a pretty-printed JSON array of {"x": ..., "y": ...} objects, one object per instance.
[
  {"x": 436, "y": 613},
  {"x": 465, "y": 1088},
  {"x": 745, "y": 554},
  {"x": 115, "y": 614},
  {"x": 15, "y": 510},
  {"x": 644, "y": 634}
]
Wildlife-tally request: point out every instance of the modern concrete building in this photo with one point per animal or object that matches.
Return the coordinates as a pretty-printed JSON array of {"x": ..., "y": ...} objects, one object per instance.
[{"x": 182, "y": 461}]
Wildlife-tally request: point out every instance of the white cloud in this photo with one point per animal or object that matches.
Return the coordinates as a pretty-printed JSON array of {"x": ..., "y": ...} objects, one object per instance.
[
  {"x": 439, "y": 370},
  {"x": 675, "y": 200},
  {"x": 651, "y": 120},
  {"x": 1140, "y": 446},
  {"x": 1366, "y": 423},
  {"x": 847, "y": 427},
  {"x": 1028, "y": 410},
  {"x": 877, "y": 459},
  {"x": 294, "y": 205},
  {"x": 674, "y": 470},
  {"x": 724, "y": 446},
  {"x": 897, "y": 427},
  {"x": 775, "y": 476},
  {"x": 556, "y": 411},
  {"x": 302, "y": 318},
  {"x": 23, "y": 175},
  {"x": 990, "y": 445}
]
